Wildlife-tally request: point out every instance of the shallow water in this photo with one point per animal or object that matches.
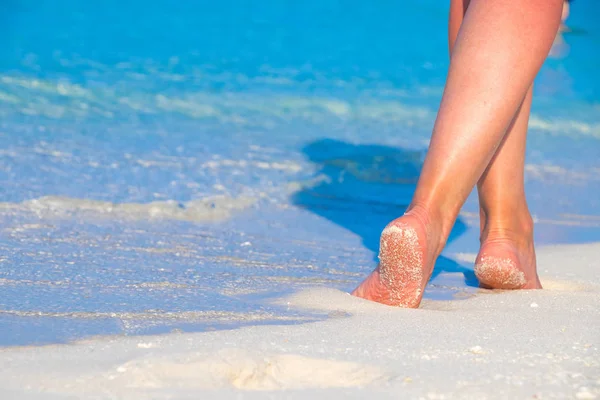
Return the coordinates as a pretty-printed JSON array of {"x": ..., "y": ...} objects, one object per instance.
[{"x": 169, "y": 167}]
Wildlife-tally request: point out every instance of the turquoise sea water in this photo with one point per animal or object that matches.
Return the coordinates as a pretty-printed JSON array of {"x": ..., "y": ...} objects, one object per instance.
[{"x": 175, "y": 165}]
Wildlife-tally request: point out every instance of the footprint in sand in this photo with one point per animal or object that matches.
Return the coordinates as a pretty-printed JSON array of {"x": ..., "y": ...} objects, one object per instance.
[{"x": 245, "y": 371}]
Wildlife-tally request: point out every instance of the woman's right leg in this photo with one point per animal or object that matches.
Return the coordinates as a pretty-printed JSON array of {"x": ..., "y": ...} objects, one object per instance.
[
  {"x": 499, "y": 49},
  {"x": 506, "y": 259}
]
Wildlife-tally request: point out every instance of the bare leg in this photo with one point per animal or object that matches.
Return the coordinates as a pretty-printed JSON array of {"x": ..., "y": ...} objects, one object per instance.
[
  {"x": 507, "y": 256},
  {"x": 506, "y": 259},
  {"x": 499, "y": 49}
]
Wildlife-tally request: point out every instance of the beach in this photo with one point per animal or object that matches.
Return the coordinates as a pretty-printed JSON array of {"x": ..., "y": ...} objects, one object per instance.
[
  {"x": 526, "y": 344},
  {"x": 189, "y": 192}
]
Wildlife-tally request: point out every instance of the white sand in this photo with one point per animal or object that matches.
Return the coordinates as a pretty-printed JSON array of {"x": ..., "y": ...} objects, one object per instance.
[{"x": 528, "y": 344}]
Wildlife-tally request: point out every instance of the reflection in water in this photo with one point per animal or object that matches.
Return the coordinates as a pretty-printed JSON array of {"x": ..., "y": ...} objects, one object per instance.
[{"x": 367, "y": 187}]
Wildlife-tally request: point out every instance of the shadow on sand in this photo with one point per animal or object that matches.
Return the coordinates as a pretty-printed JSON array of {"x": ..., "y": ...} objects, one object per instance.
[{"x": 367, "y": 186}]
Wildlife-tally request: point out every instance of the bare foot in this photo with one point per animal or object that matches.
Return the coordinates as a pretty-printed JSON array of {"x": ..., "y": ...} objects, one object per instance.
[
  {"x": 405, "y": 264},
  {"x": 507, "y": 263}
]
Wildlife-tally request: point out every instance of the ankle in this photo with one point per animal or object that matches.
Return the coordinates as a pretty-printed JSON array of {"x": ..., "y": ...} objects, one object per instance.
[
  {"x": 514, "y": 225},
  {"x": 437, "y": 227}
]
